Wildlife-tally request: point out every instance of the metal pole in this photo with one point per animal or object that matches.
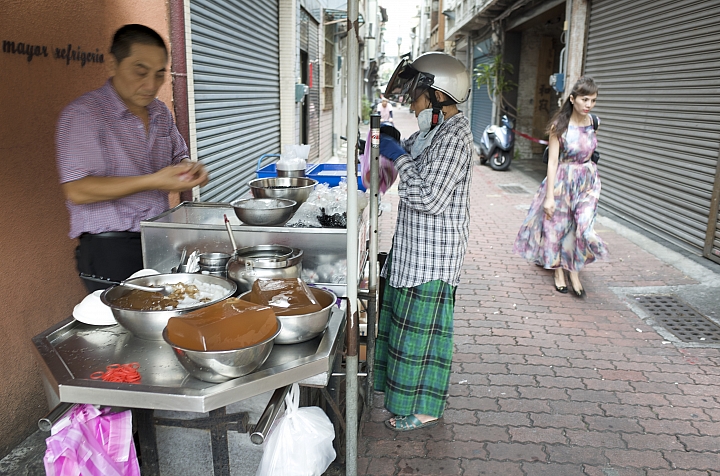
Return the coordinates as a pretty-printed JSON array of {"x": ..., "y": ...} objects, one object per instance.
[
  {"x": 351, "y": 356},
  {"x": 46, "y": 422},
  {"x": 372, "y": 307}
]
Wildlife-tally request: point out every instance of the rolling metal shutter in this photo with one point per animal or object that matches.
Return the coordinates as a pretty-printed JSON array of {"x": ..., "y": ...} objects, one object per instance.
[
  {"x": 657, "y": 63},
  {"x": 235, "y": 55},
  {"x": 481, "y": 114},
  {"x": 309, "y": 42}
]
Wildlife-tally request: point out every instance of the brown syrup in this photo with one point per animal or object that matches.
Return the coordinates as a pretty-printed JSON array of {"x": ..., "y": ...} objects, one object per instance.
[
  {"x": 287, "y": 297},
  {"x": 228, "y": 325}
]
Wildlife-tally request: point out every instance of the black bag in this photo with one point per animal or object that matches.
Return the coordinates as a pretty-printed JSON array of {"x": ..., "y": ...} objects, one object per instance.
[{"x": 595, "y": 157}]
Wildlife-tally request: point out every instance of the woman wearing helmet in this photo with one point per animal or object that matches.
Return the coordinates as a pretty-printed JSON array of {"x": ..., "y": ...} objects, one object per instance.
[{"x": 414, "y": 346}]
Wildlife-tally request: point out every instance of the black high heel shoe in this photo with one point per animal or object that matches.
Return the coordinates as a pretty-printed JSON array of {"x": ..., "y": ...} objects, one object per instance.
[
  {"x": 580, "y": 293},
  {"x": 560, "y": 289}
]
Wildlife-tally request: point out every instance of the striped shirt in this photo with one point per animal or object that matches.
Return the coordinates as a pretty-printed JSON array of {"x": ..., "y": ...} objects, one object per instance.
[
  {"x": 432, "y": 228},
  {"x": 98, "y": 136}
]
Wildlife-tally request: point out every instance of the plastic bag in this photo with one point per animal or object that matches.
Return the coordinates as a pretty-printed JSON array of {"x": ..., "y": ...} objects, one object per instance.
[
  {"x": 300, "y": 442},
  {"x": 387, "y": 172},
  {"x": 326, "y": 207},
  {"x": 294, "y": 157},
  {"x": 91, "y": 442}
]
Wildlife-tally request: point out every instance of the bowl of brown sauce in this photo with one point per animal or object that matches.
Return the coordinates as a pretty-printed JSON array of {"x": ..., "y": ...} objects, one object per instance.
[{"x": 146, "y": 314}]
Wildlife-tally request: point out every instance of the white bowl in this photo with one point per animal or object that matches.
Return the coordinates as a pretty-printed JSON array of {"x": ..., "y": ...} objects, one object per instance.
[
  {"x": 144, "y": 272},
  {"x": 91, "y": 310}
]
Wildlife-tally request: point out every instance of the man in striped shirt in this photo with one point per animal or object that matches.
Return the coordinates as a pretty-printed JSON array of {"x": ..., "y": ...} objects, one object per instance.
[{"x": 119, "y": 153}]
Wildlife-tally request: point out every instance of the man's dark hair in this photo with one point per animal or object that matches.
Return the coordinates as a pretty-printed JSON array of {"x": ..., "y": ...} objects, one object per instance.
[{"x": 129, "y": 35}]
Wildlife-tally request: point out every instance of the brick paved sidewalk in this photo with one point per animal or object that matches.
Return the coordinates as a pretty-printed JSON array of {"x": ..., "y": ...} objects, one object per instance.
[{"x": 549, "y": 384}]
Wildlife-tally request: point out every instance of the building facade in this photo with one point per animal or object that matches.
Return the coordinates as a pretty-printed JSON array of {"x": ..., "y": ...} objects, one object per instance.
[{"x": 658, "y": 68}]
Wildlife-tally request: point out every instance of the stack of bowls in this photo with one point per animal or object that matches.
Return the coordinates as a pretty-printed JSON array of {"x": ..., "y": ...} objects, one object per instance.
[{"x": 214, "y": 264}]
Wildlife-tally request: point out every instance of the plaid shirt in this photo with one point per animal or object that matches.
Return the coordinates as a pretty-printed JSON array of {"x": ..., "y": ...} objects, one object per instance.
[
  {"x": 98, "y": 136},
  {"x": 431, "y": 235}
]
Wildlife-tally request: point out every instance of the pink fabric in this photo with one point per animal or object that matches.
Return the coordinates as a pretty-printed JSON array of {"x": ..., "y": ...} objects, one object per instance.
[
  {"x": 92, "y": 442},
  {"x": 387, "y": 172}
]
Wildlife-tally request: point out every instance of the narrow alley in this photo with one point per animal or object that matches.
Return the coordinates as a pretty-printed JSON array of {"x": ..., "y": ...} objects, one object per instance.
[{"x": 551, "y": 384}]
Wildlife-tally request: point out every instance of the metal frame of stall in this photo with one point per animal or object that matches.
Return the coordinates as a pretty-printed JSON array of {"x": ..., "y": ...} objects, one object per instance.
[
  {"x": 352, "y": 327},
  {"x": 352, "y": 315}
]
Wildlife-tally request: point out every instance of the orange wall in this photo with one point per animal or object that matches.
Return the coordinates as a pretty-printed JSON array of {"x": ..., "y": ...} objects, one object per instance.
[{"x": 39, "y": 281}]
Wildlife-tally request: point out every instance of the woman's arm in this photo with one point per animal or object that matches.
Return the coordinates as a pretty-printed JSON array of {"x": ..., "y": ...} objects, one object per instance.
[{"x": 553, "y": 155}]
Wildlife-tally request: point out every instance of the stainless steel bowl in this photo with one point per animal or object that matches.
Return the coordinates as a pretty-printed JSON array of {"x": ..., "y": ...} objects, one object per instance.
[
  {"x": 223, "y": 365},
  {"x": 303, "y": 327},
  {"x": 292, "y": 188},
  {"x": 264, "y": 211},
  {"x": 150, "y": 324},
  {"x": 215, "y": 259}
]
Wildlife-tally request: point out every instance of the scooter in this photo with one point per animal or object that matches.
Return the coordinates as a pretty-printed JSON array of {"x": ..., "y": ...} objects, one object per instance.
[{"x": 496, "y": 145}]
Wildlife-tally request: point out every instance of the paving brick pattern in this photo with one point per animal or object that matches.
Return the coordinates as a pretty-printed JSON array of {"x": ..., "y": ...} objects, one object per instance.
[{"x": 549, "y": 384}]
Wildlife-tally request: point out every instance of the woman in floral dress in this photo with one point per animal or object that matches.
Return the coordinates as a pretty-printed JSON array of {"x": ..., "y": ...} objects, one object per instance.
[{"x": 558, "y": 231}]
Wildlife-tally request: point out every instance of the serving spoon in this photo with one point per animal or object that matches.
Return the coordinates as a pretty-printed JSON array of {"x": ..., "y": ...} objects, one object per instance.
[{"x": 164, "y": 289}]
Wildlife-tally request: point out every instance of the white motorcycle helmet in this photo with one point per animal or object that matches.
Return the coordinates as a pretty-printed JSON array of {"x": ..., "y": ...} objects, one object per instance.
[{"x": 435, "y": 70}]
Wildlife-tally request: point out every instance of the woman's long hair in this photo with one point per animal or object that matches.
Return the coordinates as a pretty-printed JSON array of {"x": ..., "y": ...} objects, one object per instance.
[{"x": 584, "y": 86}]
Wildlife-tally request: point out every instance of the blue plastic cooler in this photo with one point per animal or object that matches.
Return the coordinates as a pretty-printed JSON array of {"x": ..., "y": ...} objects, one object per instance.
[{"x": 330, "y": 174}]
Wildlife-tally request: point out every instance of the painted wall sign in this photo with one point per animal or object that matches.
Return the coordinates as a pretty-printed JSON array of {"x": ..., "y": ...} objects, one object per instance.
[{"x": 67, "y": 55}]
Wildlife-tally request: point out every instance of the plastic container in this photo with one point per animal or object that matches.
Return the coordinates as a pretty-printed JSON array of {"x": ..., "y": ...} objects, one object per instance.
[{"x": 330, "y": 174}]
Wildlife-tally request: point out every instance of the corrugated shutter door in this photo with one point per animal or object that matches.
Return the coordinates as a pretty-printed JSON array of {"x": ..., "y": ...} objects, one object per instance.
[
  {"x": 310, "y": 42},
  {"x": 715, "y": 246},
  {"x": 235, "y": 55},
  {"x": 657, "y": 63},
  {"x": 481, "y": 104}
]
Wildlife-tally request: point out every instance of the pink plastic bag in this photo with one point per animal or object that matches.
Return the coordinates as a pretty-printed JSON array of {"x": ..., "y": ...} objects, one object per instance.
[
  {"x": 91, "y": 442},
  {"x": 387, "y": 171}
]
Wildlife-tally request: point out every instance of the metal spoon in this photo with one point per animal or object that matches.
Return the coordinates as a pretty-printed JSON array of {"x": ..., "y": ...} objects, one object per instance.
[{"x": 164, "y": 289}]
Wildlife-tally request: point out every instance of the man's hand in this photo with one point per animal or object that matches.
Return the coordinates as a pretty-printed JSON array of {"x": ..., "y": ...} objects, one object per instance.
[
  {"x": 181, "y": 177},
  {"x": 390, "y": 148}
]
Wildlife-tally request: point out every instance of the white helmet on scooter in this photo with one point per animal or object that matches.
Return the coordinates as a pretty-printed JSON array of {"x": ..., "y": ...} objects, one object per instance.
[{"x": 435, "y": 70}]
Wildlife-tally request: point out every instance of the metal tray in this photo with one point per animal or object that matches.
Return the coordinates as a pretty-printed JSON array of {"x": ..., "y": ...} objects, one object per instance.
[{"x": 70, "y": 351}]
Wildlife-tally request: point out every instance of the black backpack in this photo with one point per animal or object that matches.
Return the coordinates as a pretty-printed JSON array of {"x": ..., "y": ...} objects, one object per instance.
[{"x": 595, "y": 157}]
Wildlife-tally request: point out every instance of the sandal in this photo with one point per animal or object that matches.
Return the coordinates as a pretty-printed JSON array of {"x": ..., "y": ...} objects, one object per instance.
[{"x": 409, "y": 423}]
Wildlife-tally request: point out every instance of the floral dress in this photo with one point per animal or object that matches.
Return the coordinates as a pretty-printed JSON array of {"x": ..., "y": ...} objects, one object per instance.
[{"x": 568, "y": 239}]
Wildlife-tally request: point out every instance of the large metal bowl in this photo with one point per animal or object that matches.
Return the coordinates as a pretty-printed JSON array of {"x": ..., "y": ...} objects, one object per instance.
[
  {"x": 150, "y": 324},
  {"x": 303, "y": 327},
  {"x": 292, "y": 188},
  {"x": 223, "y": 365},
  {"x": 264, "y": 211}
]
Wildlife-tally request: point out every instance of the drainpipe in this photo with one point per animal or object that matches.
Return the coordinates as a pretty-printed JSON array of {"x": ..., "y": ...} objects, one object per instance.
[{"x": 178, "y": 73}]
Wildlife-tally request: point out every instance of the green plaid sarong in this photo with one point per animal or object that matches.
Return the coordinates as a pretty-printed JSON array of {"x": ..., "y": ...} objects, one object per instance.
[{"x": 414, "y": 348}]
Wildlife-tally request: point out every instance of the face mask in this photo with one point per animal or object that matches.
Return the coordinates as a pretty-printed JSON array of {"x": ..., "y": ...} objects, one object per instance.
[
  {"x": 426, "y": 135},
  {"x": 425, "y": 120}
]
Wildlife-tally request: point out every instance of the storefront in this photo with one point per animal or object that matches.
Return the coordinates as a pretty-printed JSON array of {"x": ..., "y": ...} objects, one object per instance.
[
  {"x": 657, "y": 65},
  {"x": 235, "y": 91},
  {"x": 481, "y": 115}
]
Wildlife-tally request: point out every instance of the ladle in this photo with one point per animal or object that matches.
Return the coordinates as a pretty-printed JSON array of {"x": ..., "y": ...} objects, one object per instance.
[
  {"x": 165, "y": 289},
  {"x": 230, "y": 232}
]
